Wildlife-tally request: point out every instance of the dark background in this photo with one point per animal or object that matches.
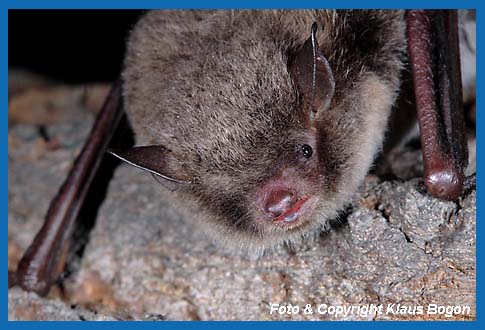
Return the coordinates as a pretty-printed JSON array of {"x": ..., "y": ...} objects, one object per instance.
[{"x": 74, "y": 46}]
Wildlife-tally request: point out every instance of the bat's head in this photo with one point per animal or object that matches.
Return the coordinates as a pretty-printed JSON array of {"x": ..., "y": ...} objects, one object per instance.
[{"x": 264, "y": 151}]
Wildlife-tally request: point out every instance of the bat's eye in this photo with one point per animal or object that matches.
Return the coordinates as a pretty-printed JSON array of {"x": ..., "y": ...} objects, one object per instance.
[{"x": 306, "y": 151}]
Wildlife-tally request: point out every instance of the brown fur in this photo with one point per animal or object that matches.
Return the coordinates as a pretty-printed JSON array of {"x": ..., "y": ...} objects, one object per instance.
[{"x": 214, "y": 88}]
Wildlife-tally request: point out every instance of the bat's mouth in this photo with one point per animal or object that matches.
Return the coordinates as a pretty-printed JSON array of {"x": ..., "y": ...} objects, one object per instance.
[{"x": 293, "y": 214}]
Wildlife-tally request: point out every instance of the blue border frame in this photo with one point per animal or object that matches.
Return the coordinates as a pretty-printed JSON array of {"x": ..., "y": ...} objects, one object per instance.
[{"x": 147, "y": 4}]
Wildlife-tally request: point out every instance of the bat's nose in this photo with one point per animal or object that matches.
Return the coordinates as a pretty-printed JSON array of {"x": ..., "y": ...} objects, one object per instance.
[{"x": 278, "y": 201}]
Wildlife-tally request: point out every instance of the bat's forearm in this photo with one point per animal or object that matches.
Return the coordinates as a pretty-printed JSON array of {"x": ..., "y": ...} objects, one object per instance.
[
  {"x": 45, "y": 257},
  {"x": 435, "y": 62}
]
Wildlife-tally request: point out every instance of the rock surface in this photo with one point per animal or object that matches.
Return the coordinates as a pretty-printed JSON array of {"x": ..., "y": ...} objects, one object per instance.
[
  {"x": 28, "y": 306},
  {"x": 394, "y": 245}
]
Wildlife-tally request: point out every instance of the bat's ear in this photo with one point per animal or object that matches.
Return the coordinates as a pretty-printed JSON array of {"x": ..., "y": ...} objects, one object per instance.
[
  {"x": 312, "y": 75},
  {"x": 154, "y": 159}
]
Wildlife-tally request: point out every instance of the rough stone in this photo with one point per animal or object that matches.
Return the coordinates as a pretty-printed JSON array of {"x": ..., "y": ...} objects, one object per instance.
[{"x": 28, "y": 306}]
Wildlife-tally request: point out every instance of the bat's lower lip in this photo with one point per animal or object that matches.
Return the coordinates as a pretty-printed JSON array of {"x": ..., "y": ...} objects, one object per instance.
[{"x": 290, "y": 217}]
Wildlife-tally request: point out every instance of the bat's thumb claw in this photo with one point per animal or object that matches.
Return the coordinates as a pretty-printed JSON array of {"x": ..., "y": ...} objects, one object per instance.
[{"x": 445, "y": 184}]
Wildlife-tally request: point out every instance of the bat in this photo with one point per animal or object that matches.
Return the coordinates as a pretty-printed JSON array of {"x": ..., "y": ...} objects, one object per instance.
[{"x": 260, "y": 125}]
